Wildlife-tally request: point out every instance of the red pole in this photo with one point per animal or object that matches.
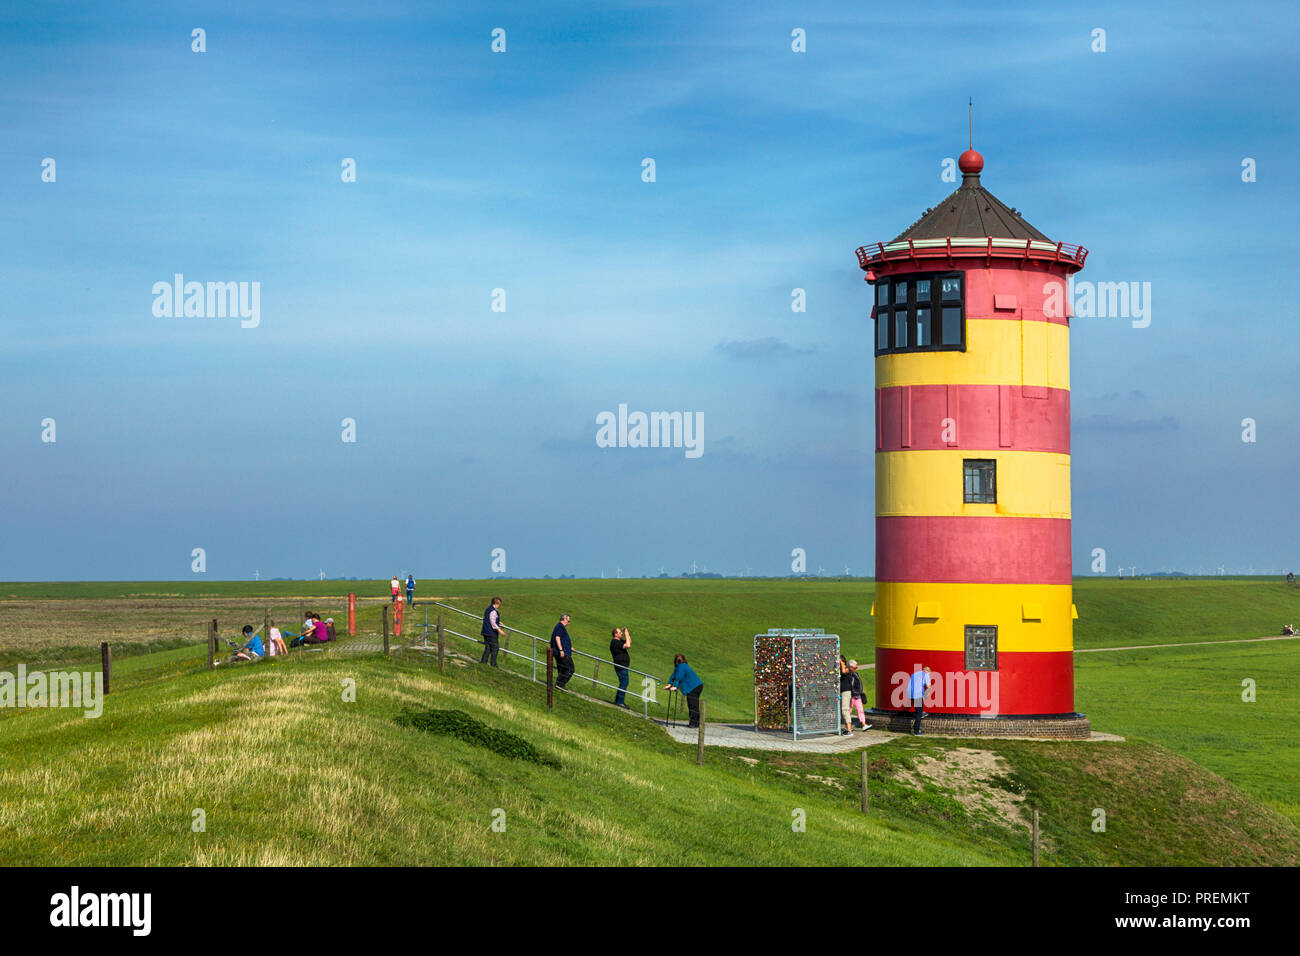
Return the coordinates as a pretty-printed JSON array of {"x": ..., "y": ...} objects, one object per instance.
[
  {"x": 397, "y": 618},
  {"x": 352, "y": 615}
]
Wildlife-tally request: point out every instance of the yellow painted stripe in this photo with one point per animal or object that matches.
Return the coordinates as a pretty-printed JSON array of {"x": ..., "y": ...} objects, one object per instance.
[
  {"x": 998, "y": 352},
  {"x": 1030, "y": 484},
  {"x": 899, "y": 625}
]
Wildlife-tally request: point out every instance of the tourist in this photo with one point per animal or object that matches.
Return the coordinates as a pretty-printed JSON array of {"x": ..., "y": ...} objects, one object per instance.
[
  {"x": 329, "y": 629},
  {"x": 396, "y": 587},
  {"x": 687, "y": 682},
  {"x": 619, "y": 645},
  {"x": 410, "y": 588},
  {"x": 252, "y": 648},
  {"x": 275, "y": 646},
  {"x": 917, "y": 685},
  {"x": 491, "y": 632},
  {"x": 562, "y": 645},
  {"x": 846, "y": 696},
  {"x": 855, "y": 690}
]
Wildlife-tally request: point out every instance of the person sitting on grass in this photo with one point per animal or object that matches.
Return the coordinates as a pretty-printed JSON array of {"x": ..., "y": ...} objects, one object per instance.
[
  {"x": 252, "y": 648},
  {"x": 329, "y": 629},
  {"x": 275, "y": 646}
]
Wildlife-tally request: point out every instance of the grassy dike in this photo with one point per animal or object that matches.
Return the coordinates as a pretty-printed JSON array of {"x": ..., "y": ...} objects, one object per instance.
[{"x": 289, "y": 773}]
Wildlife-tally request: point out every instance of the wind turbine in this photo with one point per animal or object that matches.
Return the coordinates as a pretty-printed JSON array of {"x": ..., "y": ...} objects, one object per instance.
[
  {"x": 322, "y": 574},
  {"x": 618, "y": 572},
  {"x": 257, "y": 575}
]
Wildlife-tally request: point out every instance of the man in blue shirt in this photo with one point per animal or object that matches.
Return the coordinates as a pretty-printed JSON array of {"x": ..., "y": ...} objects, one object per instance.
[
  {"x": 917, "y": 685},
  {"x": 563, "y": 648},
  {"x": 410, "y": 589}
]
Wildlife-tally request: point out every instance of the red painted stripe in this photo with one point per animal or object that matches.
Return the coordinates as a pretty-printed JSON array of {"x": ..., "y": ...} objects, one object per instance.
[
  {"x": 975, "y": 416},
  {"x": 973, "y": 549},
  {"x": 1026, "y": 683}
]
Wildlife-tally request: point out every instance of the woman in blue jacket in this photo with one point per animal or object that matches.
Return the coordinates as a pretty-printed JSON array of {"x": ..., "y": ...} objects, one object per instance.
[{"x": 685, "y": 680}]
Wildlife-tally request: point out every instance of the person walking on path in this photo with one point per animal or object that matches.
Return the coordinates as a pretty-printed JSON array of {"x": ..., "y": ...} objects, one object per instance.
[
  {"x": 855, "y": 691},
  {"x": 396, "y": 587},
  {"x": 563, "y": 647},
  {"x": 491, "y": 632},
  {"x": 619, "y": 645},
  {"x": 410, "y": 589},
  {"x": 917, "y": 685},
  {"x": 846, "y": 696},
  {"x": 686, "y": 681}
]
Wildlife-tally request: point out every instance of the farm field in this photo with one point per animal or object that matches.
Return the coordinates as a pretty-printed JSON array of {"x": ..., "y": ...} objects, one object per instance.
[{"x": 1201, "y": 778}]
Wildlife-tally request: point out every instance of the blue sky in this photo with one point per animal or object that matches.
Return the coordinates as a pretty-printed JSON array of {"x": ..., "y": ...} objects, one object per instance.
[{"x": 522, "y": 171}]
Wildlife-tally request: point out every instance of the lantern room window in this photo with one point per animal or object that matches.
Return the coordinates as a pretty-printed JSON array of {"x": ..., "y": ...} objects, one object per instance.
[{"x": 920, "y": 313}]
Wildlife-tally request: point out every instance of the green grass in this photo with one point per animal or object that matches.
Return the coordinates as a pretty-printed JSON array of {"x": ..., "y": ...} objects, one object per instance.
[
  {"x": 289, "y": 773},
  {"x": 294, "y": 775}
]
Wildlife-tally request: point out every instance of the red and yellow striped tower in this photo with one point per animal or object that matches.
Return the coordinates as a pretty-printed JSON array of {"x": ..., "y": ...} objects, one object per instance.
[{"x": 973, "y": 564}]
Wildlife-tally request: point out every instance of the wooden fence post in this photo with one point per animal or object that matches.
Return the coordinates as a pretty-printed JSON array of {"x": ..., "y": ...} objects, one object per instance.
[
  {"x": 1035, "y": 837},
  {"x": 699, "y": 752},
  {"x": 212, "y": 642},
  {"x": 595, "y": 675},
  {"x": 266, "y": 631},
  {"x": 441, "y": 643},
  {"x": 106, "y": 656},
  {"x": 505, "y": 639},
  {"x": 385, "y": 617},
  {"x": 550, "y": 677},
  {"x": 864, "y": 781}
]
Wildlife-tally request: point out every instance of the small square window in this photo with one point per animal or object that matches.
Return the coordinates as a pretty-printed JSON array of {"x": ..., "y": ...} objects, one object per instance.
[
  {"x": 922, "y": 327},
  {"x": 981, "y": 647},
  {"x": 882, "y": 330},
  {"x": 951, "y": 289},
  {"x": 900, "y": 328},
  {"x": 882, "y": 292},
  {"x": 900, "y": 292},
  {"x": 980, "y": 481},
  {"x": 922, "y": 290}
]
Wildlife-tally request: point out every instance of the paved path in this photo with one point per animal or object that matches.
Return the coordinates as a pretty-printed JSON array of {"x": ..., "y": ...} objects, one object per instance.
[{"x": 745, "y": 737}]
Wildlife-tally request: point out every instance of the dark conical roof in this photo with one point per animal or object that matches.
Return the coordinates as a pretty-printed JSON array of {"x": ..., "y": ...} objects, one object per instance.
[{"x": 971, "y": 212}]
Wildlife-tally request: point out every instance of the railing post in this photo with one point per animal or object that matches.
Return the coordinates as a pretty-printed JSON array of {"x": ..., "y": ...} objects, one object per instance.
[
  {"x": 352, "y": 615},
  {"x": 595, "y": 674},
  {"x": 699, "y": 753},
  {"x": 106, "y": 657},
  {"x": 441, "y": 643},
  {"x": 550, "y": 677},
  {"x": 1035, "y": 837},
  {"x": 384, "y": 614},
  {"x": 533, "y": 654},
  {"x": 864, "y": 781}
]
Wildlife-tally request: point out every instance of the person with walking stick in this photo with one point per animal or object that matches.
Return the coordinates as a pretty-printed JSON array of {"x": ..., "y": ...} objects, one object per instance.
[{"x": 686, "y": 681}]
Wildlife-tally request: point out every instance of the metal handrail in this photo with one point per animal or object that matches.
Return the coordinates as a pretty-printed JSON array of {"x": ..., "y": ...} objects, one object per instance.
[
  {"x": 986, "y": 246},
  {"x": 533, "y": 658},
  {"x": 603, "y": 660}
]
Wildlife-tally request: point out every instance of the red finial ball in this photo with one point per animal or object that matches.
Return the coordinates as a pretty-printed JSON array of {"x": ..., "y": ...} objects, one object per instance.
[{"x": 970, "y": 162}]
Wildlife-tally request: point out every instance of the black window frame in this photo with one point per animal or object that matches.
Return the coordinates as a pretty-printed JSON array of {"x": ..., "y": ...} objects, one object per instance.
[
  {"x": 980, "y": 663},
  {"x": 989, "y": 478},
  {"x": 887, "y": 311}
]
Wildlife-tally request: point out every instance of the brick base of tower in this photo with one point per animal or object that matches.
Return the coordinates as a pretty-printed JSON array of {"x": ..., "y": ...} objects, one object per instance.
[{"x": 1053, "y": 727}]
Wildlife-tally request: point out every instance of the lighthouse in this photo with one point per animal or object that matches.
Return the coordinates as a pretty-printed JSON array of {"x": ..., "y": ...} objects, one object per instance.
[{"x": 972, "y": 424}]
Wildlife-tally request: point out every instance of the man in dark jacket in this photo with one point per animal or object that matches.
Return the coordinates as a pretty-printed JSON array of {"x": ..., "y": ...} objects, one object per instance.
[
  {"x": 491, "y": 631},
  {"x": 619, "y": 644},
  {"x": 563, "y": 648}
]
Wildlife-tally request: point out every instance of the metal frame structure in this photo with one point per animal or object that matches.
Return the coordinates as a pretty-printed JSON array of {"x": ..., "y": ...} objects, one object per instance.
[{"x": 790, "y": 680}]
